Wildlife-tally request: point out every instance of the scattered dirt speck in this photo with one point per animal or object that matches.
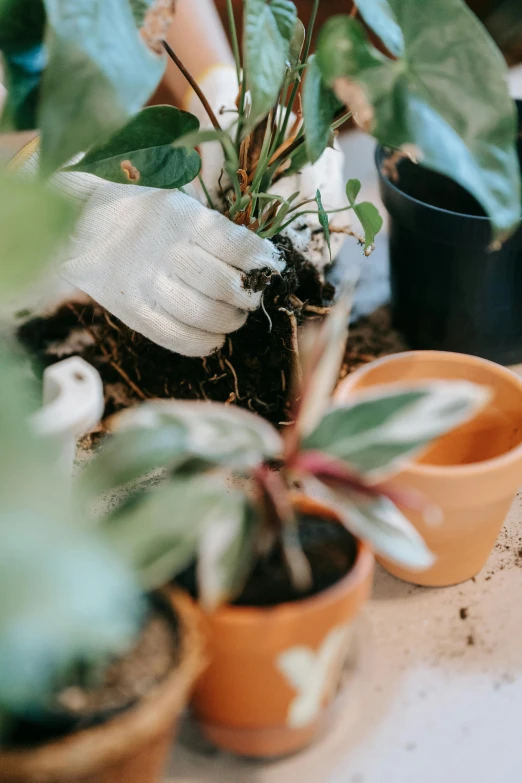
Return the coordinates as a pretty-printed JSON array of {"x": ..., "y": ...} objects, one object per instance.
[{"x": 463, "y": 613}]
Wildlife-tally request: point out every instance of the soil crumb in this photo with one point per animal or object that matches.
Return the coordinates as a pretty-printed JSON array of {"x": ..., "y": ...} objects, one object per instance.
[{"x": 463, "y": 613}]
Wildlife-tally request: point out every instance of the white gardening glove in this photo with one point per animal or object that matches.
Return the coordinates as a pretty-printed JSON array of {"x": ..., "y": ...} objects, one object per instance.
[
  {"x": 162, "y": 263},
  {"x": 220, "y": 87}
]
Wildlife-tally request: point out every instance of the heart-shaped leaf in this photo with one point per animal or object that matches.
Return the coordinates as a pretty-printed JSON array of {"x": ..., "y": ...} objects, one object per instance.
[
  {"x": 381, "y": 428},
  {"x": 431, "y": 99},
  {"x": 320, "y": 105},
  {"x": 353, "y": 188},
  {"x": 100, "y": 72},
  {"x": 141, "y": 153},
  {"x": 370, "y": 220},
  {"x": 268, "y": 30}
]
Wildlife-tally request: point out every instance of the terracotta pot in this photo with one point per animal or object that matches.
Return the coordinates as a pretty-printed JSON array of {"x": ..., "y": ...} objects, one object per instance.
[
  {"x": 274, "y": 671},
  {"x": 132, "y": 747},
  {"x": 472, "y": 474}
]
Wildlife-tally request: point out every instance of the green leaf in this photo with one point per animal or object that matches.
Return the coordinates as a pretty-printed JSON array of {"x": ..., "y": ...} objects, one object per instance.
[
  {"x": 370, "y": 220},
  {"x": 34, "y": 224},
  {"x": 323, "y": 220},
  {"x": 22, "y": 25},
  {"x": 379, "y": 16},
  {"x": 100, "y": 72},
  {"x": 194, "y": 139},
  {"x": 213, "y": 433},
  {"x": 139, "y": 10},
  {"x": 379, "y": 430},
  {"x": 66, "y": 604},
  {"x": 384, "y": 527},
  {"x": 268, "y": 30},
  {"x": 226, "y": 550},
  {"x": 296, "y": 44},
  {"x": 320, "y": 106},
  {"x": 353, "y": 188},
  {"x": 141, "y": 153},
  {"x": 431, "y": 100}
]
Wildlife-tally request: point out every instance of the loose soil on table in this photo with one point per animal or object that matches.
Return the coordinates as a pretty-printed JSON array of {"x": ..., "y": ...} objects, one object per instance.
[
  {"x": 122, "y": 684},
  {"x": 254, "y": 368},
  {"x": 331, "y": 551}
]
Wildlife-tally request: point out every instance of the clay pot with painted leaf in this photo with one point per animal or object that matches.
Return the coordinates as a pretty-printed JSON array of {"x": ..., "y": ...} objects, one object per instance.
[
  {"x": 472, "y": 474},
  {"x": 275, "y": 671}
]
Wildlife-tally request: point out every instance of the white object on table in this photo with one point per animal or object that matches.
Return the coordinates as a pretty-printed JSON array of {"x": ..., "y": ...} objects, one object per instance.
[{"x": 72, "y": 405}]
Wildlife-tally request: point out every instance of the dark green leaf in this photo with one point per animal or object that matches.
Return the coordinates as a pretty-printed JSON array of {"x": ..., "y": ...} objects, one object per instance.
[
  {"x": 370, "y": 220},
  {"x": 320, "y": 106},
  {"x": 100, "y": 72},
  {"x": 21, "y": 35},
  {"x": 353, "y": 188},
  {"x": 431, "y": 101},
  {"x": 34, "y": 223},
  {"x": 139, "y": 10},
  {"x": 141, "y": 153},
  {"x": 379, "y": 16},
  {"x": 268, "y": 31},
  {"x": 323, "y": 220},
  {"x": 380, "y": 429}
]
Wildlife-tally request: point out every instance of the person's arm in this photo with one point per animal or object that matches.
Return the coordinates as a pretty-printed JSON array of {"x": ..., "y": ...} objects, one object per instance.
[{"x": 198, "y": 38}]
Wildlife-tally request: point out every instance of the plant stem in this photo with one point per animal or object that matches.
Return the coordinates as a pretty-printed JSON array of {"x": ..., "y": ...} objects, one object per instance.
[
  {"x": 193, "y": 83},
  {"x": 341, "y": 120},
  {"x": 205, "y": 191},
  {"x": 304, "y": 58},
  {"x": 235, "y": 40},
  {"x": 312, "y": 212}
]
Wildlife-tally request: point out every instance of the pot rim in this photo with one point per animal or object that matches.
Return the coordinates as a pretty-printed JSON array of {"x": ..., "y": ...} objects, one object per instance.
[
  {"x": 379, "y": 155},
  {"x": 233, "y": 616},
  {"x": 448, "y": 471}
]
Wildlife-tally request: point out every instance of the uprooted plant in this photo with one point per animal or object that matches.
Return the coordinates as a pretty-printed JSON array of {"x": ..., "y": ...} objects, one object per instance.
[{"x": 225, "y": 496}]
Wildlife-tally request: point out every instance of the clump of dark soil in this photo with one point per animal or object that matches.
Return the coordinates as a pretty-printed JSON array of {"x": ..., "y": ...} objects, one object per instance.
[
  {"x": 372, "y": 337},
  {"x": 254, "y": 368},
  {"x": 122, "y": 684},
  {"x": 331, "y": 551}
]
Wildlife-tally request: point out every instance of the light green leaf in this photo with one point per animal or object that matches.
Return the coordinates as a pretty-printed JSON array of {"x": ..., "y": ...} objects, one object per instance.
[
  {"x": 320, "y": 105},
  {"x": 323, "y": 220},
  {"x": 213, "y": 432},
  {"x": 141, "y": 153},
  {"x": 226, "y": 550},
  {"x": 268, "y": 30},
  {"x": 100, "y": 72},
  {"x": 34, "y": 224},
  {"x": 296, "y": 44},
  {"x": 379, "y": 16},
  {"x": 370, "y": 220},
  {"x": 431, "y": 100},
  {"x": 379, "y": 430},
  {"x": 353, "y": 188},
  {"x": 385, "y": 528},
  {"x": 65, "y": 602}
]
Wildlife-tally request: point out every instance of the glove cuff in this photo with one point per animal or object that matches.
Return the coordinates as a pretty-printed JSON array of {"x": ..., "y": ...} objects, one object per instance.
[{"x": 220, "y": 86}]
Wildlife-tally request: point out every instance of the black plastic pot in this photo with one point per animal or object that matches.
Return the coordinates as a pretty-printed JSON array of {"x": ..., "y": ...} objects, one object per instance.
[{"x": 449, "y": 292}]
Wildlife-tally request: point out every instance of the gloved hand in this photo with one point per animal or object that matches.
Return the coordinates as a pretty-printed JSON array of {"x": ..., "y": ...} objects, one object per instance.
[
  {"x": 162, "y": 263},
  {"x": 220, "y": 87}
]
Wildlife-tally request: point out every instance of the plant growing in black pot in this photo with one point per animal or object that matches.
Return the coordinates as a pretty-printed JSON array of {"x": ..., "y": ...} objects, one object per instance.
[{"x": 448, "y": 165}]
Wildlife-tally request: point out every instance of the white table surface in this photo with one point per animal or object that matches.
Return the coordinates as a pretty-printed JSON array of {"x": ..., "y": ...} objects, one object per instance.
[{"x": 438, "y": 698}]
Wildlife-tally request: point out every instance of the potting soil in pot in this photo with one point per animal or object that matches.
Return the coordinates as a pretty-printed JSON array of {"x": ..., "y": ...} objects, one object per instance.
[
  {"x": 330, "y": 549},
  {"x": 253, "y": 369},
  {"x": 121, "y": 685}
]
